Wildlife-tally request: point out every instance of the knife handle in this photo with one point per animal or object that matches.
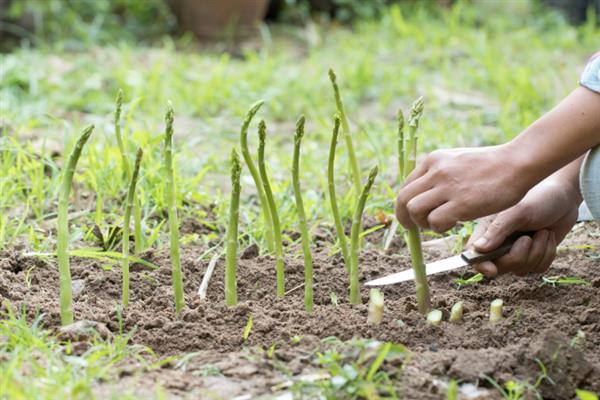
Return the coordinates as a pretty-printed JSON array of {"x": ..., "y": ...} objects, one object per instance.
[{"x": 474, "y": 257}]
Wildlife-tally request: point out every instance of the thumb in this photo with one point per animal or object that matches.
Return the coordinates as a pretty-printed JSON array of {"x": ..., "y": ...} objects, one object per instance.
[{"x": 502, "y": 226}]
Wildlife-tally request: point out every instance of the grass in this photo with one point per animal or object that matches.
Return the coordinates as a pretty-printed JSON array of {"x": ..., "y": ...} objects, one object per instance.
[
  {"x": 54, "y": 370},
  {"x": 485, "y": 72}
]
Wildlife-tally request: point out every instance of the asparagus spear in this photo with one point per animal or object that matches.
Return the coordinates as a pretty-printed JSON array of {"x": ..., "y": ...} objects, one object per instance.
[
  {"x": 66, "y": 308},
  {"x": 413, "y": 236},
  {"x": 347, "y": 135},
  {"x": 172, "y": 211},
  {"x": 354, "y": 237},
  {"x": 232, "y": 231},
  {"x": 339, "y": 228},
  {"x": 131, "y": 198},
  {"x": 276, "y": 226},
  {"x": 308, "y": 267},
  {"x": 255, "y": 174}
]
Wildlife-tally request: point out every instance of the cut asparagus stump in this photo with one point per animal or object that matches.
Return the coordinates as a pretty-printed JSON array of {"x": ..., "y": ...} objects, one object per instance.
[
  {"x": 375, "y": 310},
  {"x": 434, "y": 317},
  {"x": 496, "y": 310},
  {"x": 456, "y": 312}
]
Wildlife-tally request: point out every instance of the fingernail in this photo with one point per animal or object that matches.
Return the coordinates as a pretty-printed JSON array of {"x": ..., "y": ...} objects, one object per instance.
[{"x": 481, "y": 242}]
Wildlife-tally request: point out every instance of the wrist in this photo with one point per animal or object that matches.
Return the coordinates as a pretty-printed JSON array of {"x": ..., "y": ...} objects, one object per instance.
[{"x": 523, "y": 167}]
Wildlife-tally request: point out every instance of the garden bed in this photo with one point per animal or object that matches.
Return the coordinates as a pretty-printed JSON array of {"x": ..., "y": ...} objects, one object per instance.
[{"x": 558, "y": 327}]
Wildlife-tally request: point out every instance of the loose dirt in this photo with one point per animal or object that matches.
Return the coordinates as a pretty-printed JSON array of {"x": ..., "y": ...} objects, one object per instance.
[{"x": 558, "y": 327}]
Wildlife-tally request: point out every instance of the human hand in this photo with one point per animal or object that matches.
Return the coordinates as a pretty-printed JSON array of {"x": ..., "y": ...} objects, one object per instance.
[
  {"x": 462, "y": 184},
  {"x": 549, "y": 209}
]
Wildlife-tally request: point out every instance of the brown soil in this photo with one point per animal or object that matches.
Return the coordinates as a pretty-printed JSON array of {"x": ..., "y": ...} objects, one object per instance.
[{"x": 541, "y": 321}]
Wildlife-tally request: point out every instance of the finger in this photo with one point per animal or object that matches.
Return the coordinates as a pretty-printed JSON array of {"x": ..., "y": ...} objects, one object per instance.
[
  {"x": 420, "y": 170},
  {"x": 442, "y": 218},
  {"x": 406, "y": 194},
  {"x": 420, "y": 206},
  {"x": 517, "y": 256},
  {"x": 536, "y": 254},
  {"x": 550, "y": 254},
  {"x": 488, "y": 268},
  {"x": 480, "y": 229},
  {"x": 500, "y": 228}
]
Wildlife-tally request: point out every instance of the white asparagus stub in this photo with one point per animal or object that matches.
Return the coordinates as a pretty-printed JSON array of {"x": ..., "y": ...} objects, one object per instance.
[
  {"x": 496, "y": 310},
  {"x": 456, "y": 312},
  {"x": 434, "y": 317},
  {"x": 375, "y": 309}
]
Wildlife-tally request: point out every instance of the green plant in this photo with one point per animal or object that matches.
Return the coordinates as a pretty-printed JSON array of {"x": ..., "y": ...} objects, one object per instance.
[
  {"x": 256, "y": 175},
  {"x": 413, "y": 237},
  {"x": 347, "y": 135},
  {"x": 563, "y": 280},
  {"x": 339, "y": 228},
  {"x": 478, "y": 277},
  {"x": 354, "y": 236},
  {"x": 131, "y": 200},
  {"x": 232, "y": 231},
  {"x": 308, "y": 267},
  {"x": 276, "y": 225},
  {"x": 66, "y": 309},
  {"x": 585, "y": 395},
  {"x": 176, "y": 275}
]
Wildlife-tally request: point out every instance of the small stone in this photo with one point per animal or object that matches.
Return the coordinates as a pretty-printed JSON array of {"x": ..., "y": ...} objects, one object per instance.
[
  {"x": 83, "y": 330},
  {"x": 77, "y": 286}
]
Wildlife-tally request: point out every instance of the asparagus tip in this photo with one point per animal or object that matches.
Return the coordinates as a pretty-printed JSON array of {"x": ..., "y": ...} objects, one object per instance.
[
  {"x": 300, "y": 128},
  {"x": 262, "y": 131},
  {"x": 332, "y": 76},
  {"x": 400, "y": 119},
  {"x": 375, "y": 309}
]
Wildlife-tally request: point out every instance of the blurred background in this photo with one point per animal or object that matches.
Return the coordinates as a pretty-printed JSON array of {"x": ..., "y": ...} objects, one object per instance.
[
  {"x": 76, "y": 23},
  {"x": 486, "y": 69}
]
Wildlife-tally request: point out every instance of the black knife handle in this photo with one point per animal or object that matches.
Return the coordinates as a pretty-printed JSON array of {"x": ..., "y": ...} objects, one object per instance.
[{"x": 474, "y": 257}]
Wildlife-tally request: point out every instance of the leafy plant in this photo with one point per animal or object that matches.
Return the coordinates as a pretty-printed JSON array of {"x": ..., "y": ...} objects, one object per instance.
[
  {"x": 66, "y": 309},
  {"x": 563, "y": 280},
  {"x": 478, "y": 277}
]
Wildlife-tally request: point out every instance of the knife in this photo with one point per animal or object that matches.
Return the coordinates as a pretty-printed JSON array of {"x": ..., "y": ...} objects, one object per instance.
[{"x": 464, "y": 259}]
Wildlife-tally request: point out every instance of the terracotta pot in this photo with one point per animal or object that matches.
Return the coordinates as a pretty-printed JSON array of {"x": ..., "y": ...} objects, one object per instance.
[{"x": 210, "y": 19}]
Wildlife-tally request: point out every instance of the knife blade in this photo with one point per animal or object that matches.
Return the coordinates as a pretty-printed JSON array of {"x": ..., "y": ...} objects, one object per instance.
[{"x": 464, "y": 259}]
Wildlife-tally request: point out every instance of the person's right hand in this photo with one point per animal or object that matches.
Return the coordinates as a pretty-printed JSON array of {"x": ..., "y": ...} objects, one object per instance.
[{"x": 549, "y": 209}]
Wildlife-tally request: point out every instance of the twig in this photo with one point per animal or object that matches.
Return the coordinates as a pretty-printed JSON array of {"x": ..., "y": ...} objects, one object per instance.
[{"x": 207, "y": 275}]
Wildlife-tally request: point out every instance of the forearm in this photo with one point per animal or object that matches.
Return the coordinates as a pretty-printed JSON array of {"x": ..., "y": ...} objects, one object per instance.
[{"x": 558, "y": 138}]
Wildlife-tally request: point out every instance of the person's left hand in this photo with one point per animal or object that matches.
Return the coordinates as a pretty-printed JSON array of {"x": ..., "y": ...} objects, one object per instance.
[{"x": 549, "y": 210}]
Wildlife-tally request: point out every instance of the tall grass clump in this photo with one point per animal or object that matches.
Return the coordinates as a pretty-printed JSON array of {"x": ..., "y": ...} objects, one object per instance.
[
  {"x": 232, "y": 232},
  {"x": 276, "y": 225},
  {"x": 256, "y": 175},
  {"x": 172, "y": 213},
  {"x": 308, "y": 267},
  {"x": 66, "y": 295},
  {"x": 355, "y": 236},
  {"x": 408, "y": 154},
  {"x": 131, "y": 199},
  {"x": 339, "y": 228}
]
